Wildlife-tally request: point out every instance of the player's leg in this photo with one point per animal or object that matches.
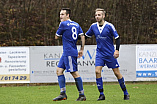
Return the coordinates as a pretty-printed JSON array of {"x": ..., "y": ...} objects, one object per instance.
[
  {"x": 113, "y": 63},
  {"x": 121, "y": 83},
  {"x": 61, "y": 80},
  {"x": 99, "y": 63},
  {"x": 71, "y": 66},
  {"x": 99, "y": 82},
  {"x": 79, "y": 85}
]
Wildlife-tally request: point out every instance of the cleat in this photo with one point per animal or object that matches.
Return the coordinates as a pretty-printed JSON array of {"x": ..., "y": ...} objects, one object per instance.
[
  {"x": 81, "y": 98},
  {"x": 101, "y": 97},
  {"x": 126, "y": 97},
  {"x": 62, "y": 96}
]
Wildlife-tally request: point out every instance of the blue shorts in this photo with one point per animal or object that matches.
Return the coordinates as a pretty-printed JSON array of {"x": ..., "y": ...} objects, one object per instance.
[
  {"x": 69, "y": 63},
  {"x": 109, "y": 62}
]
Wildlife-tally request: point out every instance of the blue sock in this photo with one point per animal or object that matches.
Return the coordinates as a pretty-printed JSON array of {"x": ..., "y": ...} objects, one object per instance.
[
  {"x": 99, "y": 83},
  {"x": 61, "y": 81},
  {"x": 122, "y": 85},
  {"x": 79, "y": 85}
]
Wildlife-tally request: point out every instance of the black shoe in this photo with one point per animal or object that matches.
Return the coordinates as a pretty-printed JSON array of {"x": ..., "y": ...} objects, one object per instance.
[
  {"x": 101, "y": 97},
  {"x": 81, "y": 98},
  {"x": 62, "y": 96},
  {"x": 126, "y": 97}
]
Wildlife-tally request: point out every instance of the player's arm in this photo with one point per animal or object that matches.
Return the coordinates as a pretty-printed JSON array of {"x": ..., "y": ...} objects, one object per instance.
[
  {"x": 89, "y": 33},
  {"x": 116, "y": 53},
  {"x": 80, "y": 53},
  {"x": 82, "y": 42},
  {"x": 116, "y": 36},
  {"x": 59, "y": 31},
  {"x": 56, "y": 37}
]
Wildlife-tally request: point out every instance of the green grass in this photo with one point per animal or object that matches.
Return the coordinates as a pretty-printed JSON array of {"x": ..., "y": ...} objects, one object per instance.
[{"x": 140, "y": 94}]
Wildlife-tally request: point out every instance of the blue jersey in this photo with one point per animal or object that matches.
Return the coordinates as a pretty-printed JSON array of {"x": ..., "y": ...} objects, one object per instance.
[
  {"x": 104, "y": 38},
  {"x": 69, "y": 30}
]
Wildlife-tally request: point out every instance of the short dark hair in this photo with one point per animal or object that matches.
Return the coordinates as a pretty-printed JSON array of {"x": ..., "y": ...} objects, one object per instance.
[
  {"x": 100, "y": 9},
  {"x": 68, "y": 11}
]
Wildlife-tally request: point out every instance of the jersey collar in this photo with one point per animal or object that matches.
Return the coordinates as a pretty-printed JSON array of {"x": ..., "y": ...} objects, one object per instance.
[
  {"x": 101, "y": 28},
  {"x": 69, "y": 20}
]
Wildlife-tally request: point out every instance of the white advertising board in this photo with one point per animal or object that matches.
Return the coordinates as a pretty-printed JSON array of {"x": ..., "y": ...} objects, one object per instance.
[
  {"x": 146, "y": 62},
  {"x": 14, "y": 65},
  {"x": 37, "y": 64},
  {"x": 44, "y": 61}
]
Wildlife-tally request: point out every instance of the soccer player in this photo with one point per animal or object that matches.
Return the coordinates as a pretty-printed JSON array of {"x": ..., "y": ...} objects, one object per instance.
[
  {"x": 69, "y": 30},
  {"x": 106, "y": 54}
]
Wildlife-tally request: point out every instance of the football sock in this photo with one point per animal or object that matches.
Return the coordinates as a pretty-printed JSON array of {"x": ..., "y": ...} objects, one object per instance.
[
  {"x": 122, "y": 85},
  {"x": 99, "y": 83},
  {"x": 79, "y": 85},
  {"x": 61, "y": 81}
]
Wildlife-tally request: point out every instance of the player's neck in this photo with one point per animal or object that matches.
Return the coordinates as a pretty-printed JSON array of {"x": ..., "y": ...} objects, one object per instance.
[
  {"x": 101, "y": 22},
  {"x": 67, "y": 19}
]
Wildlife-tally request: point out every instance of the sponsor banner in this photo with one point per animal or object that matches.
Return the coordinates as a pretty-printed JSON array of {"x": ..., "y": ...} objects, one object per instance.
[
  {"x": 44, "y": 61},
  {"x": 146, "y": 61},
  {"x": 146, "y": 73},
  {"x": 14, "y": 65},
  {"x": 15, "y": 77}
]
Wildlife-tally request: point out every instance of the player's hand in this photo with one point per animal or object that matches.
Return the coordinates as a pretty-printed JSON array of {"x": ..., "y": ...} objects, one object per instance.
[
  {"x": 116, "y": 54},
  {"x": 80, "y": 53}
]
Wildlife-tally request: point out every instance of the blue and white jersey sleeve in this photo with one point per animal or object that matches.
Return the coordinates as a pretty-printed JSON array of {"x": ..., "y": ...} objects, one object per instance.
[
  {"x": 60, "y": 29},
  {"x": 80, "y": 32},
  {"x": 90, "y": 32},
  {"x": 113, "y": 31}
]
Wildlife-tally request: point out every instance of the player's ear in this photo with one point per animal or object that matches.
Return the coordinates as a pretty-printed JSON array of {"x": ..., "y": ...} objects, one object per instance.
[
  {"x": 103, "y": 15},
  {"x": 68, "y": 15}
]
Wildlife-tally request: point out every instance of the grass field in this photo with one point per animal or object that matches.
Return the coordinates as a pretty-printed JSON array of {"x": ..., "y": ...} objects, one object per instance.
[{"x": 141, "y": 93}]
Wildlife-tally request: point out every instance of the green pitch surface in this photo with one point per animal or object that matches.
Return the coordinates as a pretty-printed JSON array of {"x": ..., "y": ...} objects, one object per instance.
[{"x": 140, "y": 93}]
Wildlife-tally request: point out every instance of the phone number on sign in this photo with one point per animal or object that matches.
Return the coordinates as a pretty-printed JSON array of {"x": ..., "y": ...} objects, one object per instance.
[{"x": 13, "y": 78}]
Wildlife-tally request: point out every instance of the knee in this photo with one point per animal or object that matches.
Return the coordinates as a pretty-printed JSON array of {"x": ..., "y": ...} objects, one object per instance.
[
  {"x": 117, "y": 74},
  {"x": 59, "y": 71},
  {"x": 97, "y": 71},
  {"x": 75, "y": 74}
]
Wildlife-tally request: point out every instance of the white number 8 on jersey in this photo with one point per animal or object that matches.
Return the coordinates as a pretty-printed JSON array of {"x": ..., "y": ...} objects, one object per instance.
[{"x": 74, "y": 33}]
